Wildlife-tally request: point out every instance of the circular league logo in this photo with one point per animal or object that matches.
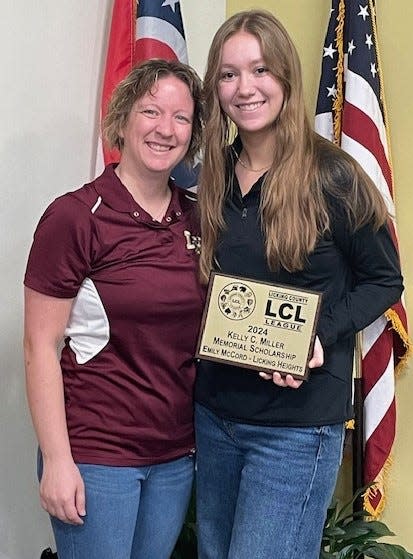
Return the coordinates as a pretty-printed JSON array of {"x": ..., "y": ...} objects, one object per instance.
[{"x": 236, "y": 301}]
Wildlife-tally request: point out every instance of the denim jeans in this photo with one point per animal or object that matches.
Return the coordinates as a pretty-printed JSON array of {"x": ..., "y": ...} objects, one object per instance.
[
  {"x": 131, "y": 512},
  {"x": 262, "y": 492}
]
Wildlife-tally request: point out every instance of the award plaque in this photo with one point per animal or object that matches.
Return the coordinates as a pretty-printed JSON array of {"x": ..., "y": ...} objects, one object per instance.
[{"x": 260, "y": 326}]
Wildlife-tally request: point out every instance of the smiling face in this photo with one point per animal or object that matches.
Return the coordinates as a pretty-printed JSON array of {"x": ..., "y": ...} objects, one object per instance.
[
  {"x": 248, "y": 93},
  {"x": 158, "y": 130}
]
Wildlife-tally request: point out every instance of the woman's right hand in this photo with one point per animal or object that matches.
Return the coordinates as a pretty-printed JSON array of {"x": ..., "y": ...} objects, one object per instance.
[{"x": 62, "y": 491}]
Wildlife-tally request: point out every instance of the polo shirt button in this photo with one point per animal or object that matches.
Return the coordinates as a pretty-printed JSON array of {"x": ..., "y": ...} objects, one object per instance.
[
  {"x": 135, "y": 214},
  {"x": 178, "y": 214},
  {"x": 168, "y": 219}
]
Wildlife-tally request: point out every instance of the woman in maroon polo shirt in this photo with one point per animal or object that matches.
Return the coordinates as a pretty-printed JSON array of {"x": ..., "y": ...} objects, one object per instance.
[{"x": 113, "y": 271}]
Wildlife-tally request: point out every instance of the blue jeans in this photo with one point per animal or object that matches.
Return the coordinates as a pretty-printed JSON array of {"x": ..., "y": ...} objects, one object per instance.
[
  {"x": 132, "y": 512},
  {"x": 263, "y": 492}
]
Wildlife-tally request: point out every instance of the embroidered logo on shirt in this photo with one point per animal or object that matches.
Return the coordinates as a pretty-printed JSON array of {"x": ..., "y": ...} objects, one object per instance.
[{"x": 193, "y": 242}]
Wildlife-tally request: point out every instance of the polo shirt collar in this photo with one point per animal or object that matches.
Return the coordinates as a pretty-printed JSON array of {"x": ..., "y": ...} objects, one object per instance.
[{"x": 115, "y": 194}]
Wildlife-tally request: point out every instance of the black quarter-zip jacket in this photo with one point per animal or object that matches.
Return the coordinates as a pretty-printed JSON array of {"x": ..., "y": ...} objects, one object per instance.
[{"x": 359, "y": 276}]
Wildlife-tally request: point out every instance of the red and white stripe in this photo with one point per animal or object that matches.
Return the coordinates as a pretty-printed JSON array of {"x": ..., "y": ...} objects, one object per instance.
[
  {"x": 132, "y": 39},
  {"x": 364, "y": 137},
  {"x": 120, "y": 58}
]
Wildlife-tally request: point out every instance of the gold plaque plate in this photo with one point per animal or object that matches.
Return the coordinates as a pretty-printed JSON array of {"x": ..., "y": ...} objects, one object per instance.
[{"x": 259, "y": 326}]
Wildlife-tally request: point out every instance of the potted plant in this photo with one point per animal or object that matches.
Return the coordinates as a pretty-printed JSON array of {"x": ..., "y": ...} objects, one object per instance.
[{"x": 353, "y": 535}]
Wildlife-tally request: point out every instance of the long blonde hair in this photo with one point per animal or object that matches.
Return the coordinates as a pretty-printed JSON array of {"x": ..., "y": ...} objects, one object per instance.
[{"x": 294, "y": 212}]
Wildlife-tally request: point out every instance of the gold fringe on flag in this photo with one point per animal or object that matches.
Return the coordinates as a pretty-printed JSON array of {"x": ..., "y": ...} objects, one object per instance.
[
  {"x": 350, "y": 424},
  {"x": 339, "y": 99},
  {"x": 379, "y": 485},
  {"x": 397, "y": 325}
]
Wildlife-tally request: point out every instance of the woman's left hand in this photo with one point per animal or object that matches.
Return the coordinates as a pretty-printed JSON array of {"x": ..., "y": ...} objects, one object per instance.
[{"x": 288, "y": 381}]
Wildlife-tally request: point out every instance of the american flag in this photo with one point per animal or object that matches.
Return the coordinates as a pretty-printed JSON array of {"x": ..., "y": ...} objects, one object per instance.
[
  {"x": 351, "y": 113},
  {"x": 139, "y": 31}
]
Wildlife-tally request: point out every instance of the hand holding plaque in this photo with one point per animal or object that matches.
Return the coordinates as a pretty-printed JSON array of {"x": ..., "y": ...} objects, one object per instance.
[{"x": 259, "y": 326}]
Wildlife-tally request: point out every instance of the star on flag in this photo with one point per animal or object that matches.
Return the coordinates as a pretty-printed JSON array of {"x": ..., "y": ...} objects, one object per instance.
[
  {"x": 171, "y": 4},
  {"x": 364, "y": 12}
]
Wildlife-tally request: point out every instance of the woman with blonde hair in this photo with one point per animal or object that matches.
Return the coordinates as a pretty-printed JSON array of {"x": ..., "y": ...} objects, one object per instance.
[{"x": 280, "y": 204}]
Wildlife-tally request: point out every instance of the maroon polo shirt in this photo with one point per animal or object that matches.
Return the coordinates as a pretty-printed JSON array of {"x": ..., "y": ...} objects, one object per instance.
[{"x": 127, "y": 363}]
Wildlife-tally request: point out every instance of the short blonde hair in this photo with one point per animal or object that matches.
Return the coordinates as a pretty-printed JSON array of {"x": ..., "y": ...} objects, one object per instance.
[{"x": 139, "y": 82}]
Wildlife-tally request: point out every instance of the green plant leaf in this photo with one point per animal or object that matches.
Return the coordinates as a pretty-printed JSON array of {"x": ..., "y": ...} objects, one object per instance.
[
  {"x": 332, "y": 511},
  {"x": 387, "y": 551},
  {"x": 346, "y": 553},
  {"x": 366, "y": 530},
  {"x": 333, "y": 532},
  {"x": 379, "y": 528}
]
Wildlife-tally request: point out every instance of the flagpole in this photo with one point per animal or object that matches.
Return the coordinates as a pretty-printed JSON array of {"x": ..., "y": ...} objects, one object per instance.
[{"x": 358, "y": 432}]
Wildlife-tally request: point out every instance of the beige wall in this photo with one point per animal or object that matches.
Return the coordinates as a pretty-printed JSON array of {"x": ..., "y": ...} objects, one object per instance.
[{"x": 306, "y": 21}]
